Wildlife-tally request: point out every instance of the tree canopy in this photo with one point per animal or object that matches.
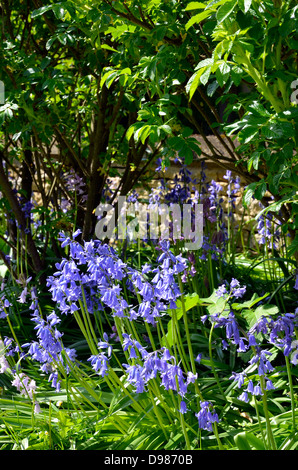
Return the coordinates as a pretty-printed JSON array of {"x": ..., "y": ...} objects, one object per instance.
[{"x": 119, "y": 84}]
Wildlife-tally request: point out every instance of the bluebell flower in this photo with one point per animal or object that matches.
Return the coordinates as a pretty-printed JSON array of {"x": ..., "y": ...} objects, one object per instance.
[
  {"x": 252, "y": 340},
  {"x": 260, "y": 358},
  {"x": 221, "y": 291},
  {"x": 257, "y": 390},
  {"x": 48, "y": 350},
  {"x": 206, "y": 417},
  {"x": 55, "y": 382},
  {"x": 294, "y": 350},
  {"x": 250, "y": 387},
  {"x": 232, "y": 188},
  {"x": 24, "y": 385},
  {"x": 136, "y": 377},
  {"x": 269, "y": 234},
  {"x": 236, "y": 290},
  {"x": 198, "y": 358},
  {"x": 239, "y": 377},
  {"x": 183, "y": 407},
  {"x": 269, "y": 384},
  {"x": 100, "y": 363},
  {"x": 244, "y": 396},
  {"x": 296, "y": 282},
  {"x": 105, "y": 344}
]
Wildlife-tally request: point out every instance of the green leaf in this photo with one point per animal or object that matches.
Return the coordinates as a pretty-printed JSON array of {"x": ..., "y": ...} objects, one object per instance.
[
  {"x": 212, "y": 87},
  {"x": 205, "y": 75},
  {"x": 41, "y": 11},
  {"x": 293, "y": 247},
  {"x": 253, "y": 316},
  {"x": 248, "y": 133},
  {"x": 59, "y": 11},
  {"x": 166, "y": 128},
  {"x": 197, "y": 18},
  {"x": 248, "y": 441},
  {"x": 241, "y": 441},
  {"x": 188, "y": 155},
  {"x": 190, "y": 301},
  {"x": 222, "y": 73},
  {"x": 108, "y": 48},
  {"x": 215, "y": 304},
  {"x": 218, "y": 306},
  {"x": 248, "y": 194},
  {"x": 193, "y": 83},
  {"x": 253, "y": 161},
  {"x": 260, "y": 190},
  {"x": 50, "y": 42},
  {"x": 258, "y": 109},
  {"x": 249, "y": 303},
  {"x": 195, "y": 6},
  {"x": 204, "y": 63},
  {"x": 225, "y": 10},
  {"x": 244, "y": 5}
]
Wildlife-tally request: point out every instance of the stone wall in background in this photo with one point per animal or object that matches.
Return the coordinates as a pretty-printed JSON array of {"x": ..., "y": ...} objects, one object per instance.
[
  {"x": 216, "y": 171},
  {"x": 243, "y": 217}
]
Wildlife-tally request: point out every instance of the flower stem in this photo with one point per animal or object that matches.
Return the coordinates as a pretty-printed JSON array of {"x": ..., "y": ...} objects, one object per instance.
[
  {"x": 291, "y": 391},
  {"x": 266, "y": 412},
  {"x": 212, "y": 363}
]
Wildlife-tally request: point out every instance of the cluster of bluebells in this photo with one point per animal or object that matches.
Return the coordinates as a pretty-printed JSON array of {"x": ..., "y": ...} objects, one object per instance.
[
  {"x": 4, "y": 305},
  {"x": 145, "y": 366},
  {"x": 232, "y": 189},
  {"x": 48, "y": 350},
  {"x": 206, "y": 416},
  {"x": 181, "y": 191},
  {"x": 100, "y": 362},
  {"x": 261, "y": 360},
  {"x": 279, "y": 332},
  {"x": 234, "y": 290},
  {"x": 157, "y": 363},
  {"x": 187, "y": 190},
  {"x": 26, "y": 207},
  {"x": 269, "y": 233},
  {"x": 104, "y": 271},
  {"x": 24, "y": 385},
  {"x": 95, "y": 273},
  {"x": 74, "y": 184}
]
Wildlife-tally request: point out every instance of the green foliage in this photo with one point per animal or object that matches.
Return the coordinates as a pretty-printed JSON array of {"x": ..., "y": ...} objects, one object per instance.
[
  {"x": 113, "y": 85},
  {"x": 241, "y": 52}
]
